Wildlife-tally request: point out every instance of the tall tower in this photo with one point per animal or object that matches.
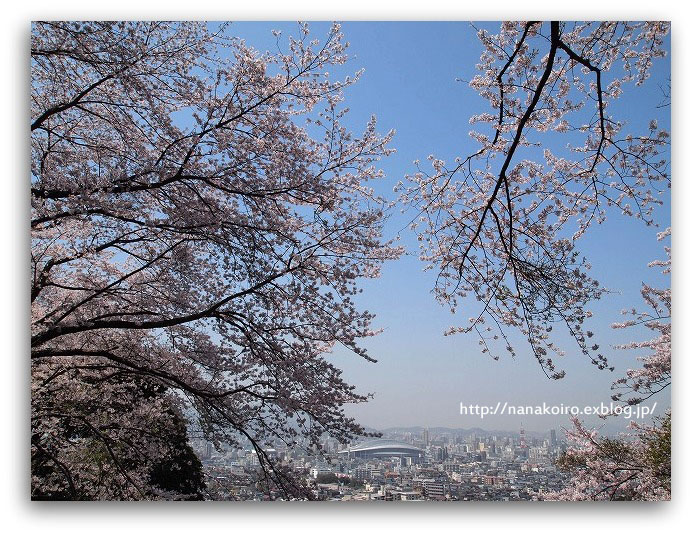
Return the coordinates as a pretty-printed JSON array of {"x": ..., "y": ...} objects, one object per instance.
[{"x": 523, "y": 445}]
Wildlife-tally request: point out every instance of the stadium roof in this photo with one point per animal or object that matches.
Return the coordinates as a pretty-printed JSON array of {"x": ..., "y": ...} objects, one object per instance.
[{"x": 384, "y": 445}]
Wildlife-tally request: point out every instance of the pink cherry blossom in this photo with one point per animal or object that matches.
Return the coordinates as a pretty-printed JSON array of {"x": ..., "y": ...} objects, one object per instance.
[
  {"x": 200, "y": 220},
  {"x": 501, "y": 226}
]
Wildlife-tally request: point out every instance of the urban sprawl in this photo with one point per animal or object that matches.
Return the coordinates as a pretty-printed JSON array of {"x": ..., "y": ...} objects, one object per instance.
[{"x": 404, "y": 464}]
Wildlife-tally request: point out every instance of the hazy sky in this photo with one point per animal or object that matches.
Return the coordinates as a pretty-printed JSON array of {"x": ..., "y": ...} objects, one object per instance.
[{"x": 421, "y": 376}]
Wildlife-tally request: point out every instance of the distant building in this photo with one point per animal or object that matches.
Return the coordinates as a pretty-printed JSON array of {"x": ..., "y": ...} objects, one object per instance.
[
  {"x": 320, "y": 470},
  {"x": 384, "y": 448},
  {"x": 434, "y": 489}
]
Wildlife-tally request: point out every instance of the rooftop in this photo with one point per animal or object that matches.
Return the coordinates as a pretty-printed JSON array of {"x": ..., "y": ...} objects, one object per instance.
[{"x": 376, "y": 444}]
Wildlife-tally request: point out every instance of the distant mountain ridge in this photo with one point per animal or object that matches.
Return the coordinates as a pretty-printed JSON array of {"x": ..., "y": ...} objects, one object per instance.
[
  {"x": 612, "y": 427},
  {"x": 458, "y": 431}
]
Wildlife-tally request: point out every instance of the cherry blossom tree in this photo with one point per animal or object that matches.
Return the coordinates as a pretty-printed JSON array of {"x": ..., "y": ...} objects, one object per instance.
[
  {"x": 637, "y": 465},
  {"x": 632, "y": 467},
  {"x": 655, "y": 374},
  {"x": 502, "y": 225},
  {"x": 200, "y": 221}
]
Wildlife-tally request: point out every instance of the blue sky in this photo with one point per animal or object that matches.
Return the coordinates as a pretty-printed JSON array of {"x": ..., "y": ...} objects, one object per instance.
[{"x": 410, "y": 84}]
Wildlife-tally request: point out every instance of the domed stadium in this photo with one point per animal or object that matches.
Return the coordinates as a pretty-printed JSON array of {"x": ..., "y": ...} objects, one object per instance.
[{"x": 383, "y": 448}]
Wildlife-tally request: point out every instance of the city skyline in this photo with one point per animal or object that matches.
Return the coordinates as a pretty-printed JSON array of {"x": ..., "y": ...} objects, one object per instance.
[{"x": 404, "y": 464}]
